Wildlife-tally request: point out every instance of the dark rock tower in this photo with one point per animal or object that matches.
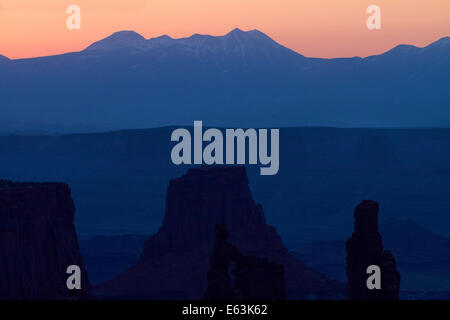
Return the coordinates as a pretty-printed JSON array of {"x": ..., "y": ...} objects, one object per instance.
[
  {"x": 254, "y": 278},
  {"x": 224, "y": 254},
  {"x": 365, "y": 248}
]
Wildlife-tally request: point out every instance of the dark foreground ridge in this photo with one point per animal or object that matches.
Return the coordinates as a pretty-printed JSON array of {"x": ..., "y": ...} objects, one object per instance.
[
  {"x": 365, "y": 248},
  {"x": 38, "y": 242},
  {"x": 175, "y": 261}
]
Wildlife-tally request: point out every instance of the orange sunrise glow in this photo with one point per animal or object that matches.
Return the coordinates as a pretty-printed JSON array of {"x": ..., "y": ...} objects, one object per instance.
[{"x": 319, "y": 28}]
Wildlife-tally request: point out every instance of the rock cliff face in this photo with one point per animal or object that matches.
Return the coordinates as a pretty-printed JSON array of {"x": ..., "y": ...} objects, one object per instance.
[
  {"x": 38, "y": 242},
  {"x": 365, "y": 248},
  {"x": 175, "y": 261}
]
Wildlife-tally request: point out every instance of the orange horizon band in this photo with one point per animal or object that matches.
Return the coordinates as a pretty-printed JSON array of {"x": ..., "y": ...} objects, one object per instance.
[{"x": 326, "y": 30}]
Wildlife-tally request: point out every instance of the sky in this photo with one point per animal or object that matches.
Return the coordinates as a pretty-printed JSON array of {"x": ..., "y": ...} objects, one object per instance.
[{"x": 314, "y": 28}]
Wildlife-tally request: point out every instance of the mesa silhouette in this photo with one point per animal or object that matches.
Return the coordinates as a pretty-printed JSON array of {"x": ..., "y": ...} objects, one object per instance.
[
  {"x": 38, "y": 242},
  {"x": 175, "y": 261}
]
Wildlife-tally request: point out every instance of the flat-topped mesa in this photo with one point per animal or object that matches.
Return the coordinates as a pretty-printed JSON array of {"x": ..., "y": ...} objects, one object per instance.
[
  {"x": 364, "y": 249},
  {"x": 38, "y": 242},
  {"x": 175, "y": 261},
  {"x": 206, "y": 196}
]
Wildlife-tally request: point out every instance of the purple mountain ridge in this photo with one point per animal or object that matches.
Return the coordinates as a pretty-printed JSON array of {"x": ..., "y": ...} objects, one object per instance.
[
  {"x": 234, "y": 41},
  {"x": 243, "y": 78}
]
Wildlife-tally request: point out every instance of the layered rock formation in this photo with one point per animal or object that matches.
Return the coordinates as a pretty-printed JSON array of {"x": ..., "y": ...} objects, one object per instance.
[
  {"x": 365, "y": 248},
  {"x": 38, "y": 242},
  {"x": 175, "y": 261}
]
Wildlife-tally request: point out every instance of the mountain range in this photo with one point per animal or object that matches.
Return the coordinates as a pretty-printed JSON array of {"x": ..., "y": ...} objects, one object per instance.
[{"x": 239, "y": 79}]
